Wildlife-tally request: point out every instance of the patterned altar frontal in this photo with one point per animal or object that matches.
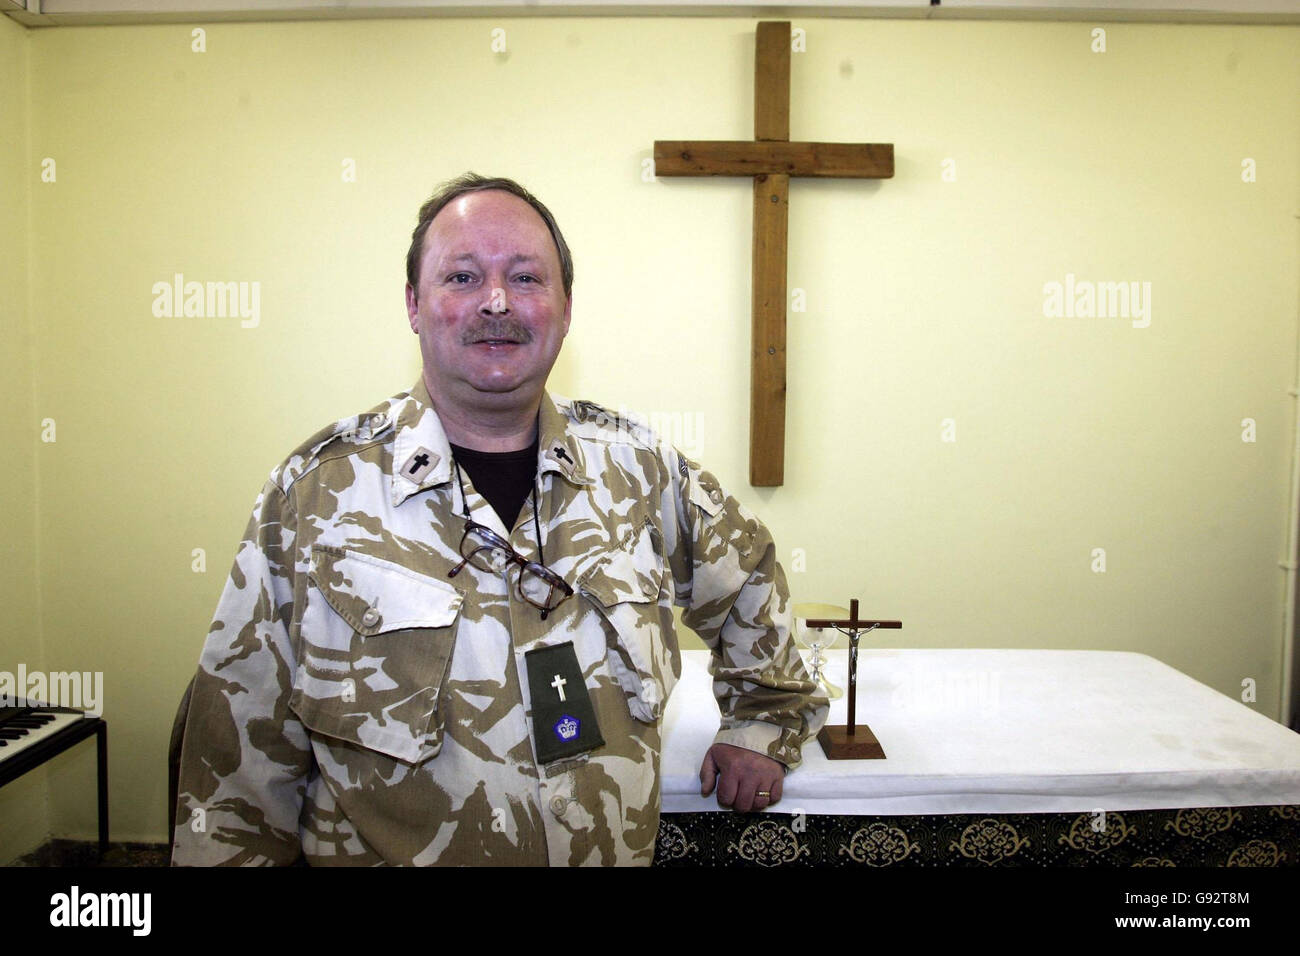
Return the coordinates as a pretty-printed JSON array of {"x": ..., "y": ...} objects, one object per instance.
[{"x": 1196, "y": 837}]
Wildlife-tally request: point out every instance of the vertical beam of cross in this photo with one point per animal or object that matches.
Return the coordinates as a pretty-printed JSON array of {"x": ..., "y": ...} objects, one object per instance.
[{"x": 768, "y": 279}]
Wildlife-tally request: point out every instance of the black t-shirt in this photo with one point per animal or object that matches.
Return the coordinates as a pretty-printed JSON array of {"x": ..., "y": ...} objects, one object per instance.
[{"x": 504, "y": 478}]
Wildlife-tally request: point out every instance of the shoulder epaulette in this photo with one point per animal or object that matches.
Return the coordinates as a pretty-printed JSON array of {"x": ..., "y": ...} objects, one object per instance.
[
  {"x": 342, "y": 437},
  {"x": 608, "y": 424}
]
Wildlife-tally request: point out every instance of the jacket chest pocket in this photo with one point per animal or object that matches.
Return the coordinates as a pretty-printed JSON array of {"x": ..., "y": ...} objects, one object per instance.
[
  {"x": 624, "y": 586},
  {"x": 376, "y": 641}
]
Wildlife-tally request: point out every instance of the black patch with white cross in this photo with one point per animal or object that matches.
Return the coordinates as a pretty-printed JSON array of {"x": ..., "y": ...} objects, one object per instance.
[{"x": 564, "y": 721}]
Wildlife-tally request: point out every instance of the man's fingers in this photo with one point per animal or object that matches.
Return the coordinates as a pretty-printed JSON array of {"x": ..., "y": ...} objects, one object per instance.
[
  {"x": 708, "y": 774},
  {"x": 744, "y": 801},
  {"x": 766, "y": 790},
  {"x": 748, "y": 785},
  {"x": 728, "y": 787}
]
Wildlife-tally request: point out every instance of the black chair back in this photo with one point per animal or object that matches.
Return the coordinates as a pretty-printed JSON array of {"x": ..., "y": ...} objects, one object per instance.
[{"x": 174, "y": 763}]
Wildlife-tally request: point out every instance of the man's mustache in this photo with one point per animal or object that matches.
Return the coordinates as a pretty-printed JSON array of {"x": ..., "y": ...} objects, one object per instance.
[{"x": 505, "y": 329}]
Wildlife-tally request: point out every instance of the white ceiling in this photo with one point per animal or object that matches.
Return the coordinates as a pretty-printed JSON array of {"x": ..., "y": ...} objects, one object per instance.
[{"x": 91, "y": 12}]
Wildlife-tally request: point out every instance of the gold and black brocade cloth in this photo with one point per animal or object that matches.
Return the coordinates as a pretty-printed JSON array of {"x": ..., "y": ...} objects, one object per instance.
[{"x": 1199, "y": 837}]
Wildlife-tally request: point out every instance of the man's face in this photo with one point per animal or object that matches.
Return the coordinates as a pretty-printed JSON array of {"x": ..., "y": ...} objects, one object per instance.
[{"x": 491, "y": 311}]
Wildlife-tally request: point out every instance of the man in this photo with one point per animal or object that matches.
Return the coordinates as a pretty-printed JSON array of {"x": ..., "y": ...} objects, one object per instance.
[{"x": 448, "y": 636}]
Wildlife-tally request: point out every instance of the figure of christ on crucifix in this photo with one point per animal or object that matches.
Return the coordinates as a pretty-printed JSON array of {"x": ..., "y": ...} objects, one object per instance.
[{"x": 771, "y": 159}]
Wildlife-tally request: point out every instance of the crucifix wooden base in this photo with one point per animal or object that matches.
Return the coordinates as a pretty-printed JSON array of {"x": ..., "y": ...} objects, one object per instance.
[
  {"x": 851, "y": 741},
  {"x": 841, "y": 744}
]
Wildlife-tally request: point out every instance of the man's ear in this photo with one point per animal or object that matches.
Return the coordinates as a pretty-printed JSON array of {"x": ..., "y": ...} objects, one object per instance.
[
  {"x": 568, "y": 312},
  {"x": 412, "y": 308}
]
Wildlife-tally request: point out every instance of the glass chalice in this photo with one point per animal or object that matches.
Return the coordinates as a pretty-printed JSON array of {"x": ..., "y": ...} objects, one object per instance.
[{"x": 819, "y": 640}]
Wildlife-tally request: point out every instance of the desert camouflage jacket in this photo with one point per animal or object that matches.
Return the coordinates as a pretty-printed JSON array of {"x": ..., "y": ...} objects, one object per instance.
[{"x": 355, "y": 705}]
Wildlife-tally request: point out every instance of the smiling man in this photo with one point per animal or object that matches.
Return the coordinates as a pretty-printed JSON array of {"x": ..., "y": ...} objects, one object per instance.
[
  {"x": 448, "y": 635},
  {"x": 491, "y": 301}
]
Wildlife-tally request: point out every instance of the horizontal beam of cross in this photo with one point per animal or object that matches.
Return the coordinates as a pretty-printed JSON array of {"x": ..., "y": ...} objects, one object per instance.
[{"x": 747, "y": 158}]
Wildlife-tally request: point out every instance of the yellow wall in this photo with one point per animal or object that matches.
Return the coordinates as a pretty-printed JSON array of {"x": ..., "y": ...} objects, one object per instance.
[
  {"x": 24, "y": 804},
  {"x": 924, "y": 302}
]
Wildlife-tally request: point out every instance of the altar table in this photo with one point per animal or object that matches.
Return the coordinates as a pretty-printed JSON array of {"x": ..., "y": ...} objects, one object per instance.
[{"x": 1003, "y": 757}]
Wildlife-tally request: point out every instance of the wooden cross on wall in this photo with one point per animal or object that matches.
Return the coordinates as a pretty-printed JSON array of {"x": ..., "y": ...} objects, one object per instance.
[{"x": 771, "y": 159}]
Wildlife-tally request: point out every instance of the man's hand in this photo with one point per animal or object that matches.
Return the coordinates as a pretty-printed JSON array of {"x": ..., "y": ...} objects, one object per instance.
[{"x": 750, "y": 781}]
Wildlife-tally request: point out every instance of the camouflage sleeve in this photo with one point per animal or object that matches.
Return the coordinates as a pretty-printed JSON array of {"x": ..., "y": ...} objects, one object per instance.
[
  {"x": 735, "y": 597},
  {"x": 245, "y": 756}
]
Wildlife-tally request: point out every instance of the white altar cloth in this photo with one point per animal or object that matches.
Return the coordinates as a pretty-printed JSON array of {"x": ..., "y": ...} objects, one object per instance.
[{"x": 1010, "y": 731}]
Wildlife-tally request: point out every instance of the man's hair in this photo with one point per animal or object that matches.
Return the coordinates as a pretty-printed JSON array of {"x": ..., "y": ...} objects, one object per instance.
[{"x": 472, "y": 183}]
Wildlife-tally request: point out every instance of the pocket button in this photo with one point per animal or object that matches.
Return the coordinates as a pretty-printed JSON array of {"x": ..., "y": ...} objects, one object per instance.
[{"x": 370, "y": 618}]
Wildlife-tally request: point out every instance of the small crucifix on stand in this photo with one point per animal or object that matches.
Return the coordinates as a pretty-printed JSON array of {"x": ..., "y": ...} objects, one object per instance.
[{"x": 851, "y": 741}]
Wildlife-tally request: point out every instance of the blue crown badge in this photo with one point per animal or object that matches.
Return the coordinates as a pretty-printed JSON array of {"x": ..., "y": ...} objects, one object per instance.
[{"x": 566, "y": 728}]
